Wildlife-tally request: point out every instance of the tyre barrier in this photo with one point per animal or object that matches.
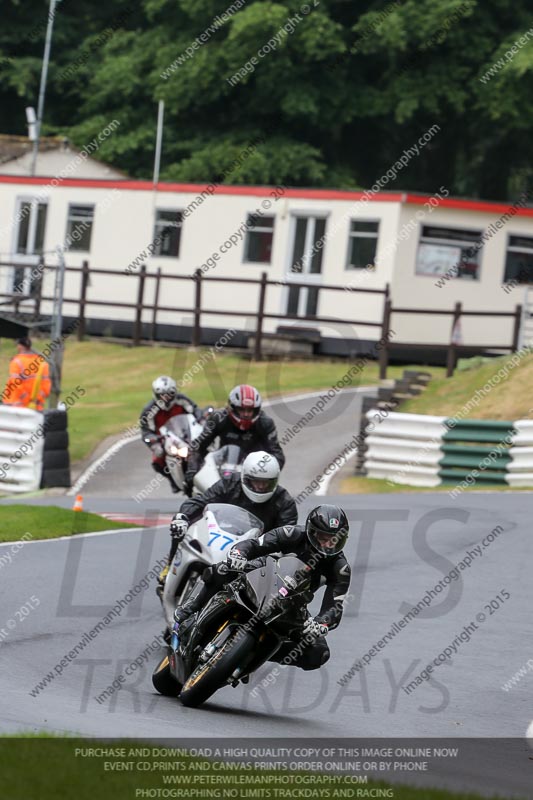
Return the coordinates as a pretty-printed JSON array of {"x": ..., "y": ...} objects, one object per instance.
[
  {"x": 388, "y": 397},
  {"x": 56, "y": 459},
  {"x": 33, "y": 449},
  {"x": 421, "y": 450},
  {"x": 21, "y": 449}
]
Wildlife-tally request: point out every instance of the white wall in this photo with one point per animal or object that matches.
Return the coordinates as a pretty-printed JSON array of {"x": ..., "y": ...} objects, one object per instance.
[
  {"x": 123, "y": 229},
  {"x": 485, "y": 294}
]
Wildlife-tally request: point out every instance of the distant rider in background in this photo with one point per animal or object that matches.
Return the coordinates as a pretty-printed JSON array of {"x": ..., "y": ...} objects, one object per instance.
[
  {"x": 167, "y": 403},
  {"x": 242, "y": 423}
]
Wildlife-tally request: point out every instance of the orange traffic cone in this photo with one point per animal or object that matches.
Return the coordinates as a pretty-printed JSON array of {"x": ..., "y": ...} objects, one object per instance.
[{"x": 78, "y": 505}]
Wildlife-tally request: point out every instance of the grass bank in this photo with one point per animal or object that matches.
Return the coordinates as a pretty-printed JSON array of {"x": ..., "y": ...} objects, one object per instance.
[
  {"x": 117, "y": 381},
  {"x": 47, "y": 522},
  {"x": 480, "y": 391}
]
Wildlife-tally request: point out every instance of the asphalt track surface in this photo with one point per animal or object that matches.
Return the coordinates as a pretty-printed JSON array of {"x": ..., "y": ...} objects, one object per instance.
[{"x": 401, "y": 547}]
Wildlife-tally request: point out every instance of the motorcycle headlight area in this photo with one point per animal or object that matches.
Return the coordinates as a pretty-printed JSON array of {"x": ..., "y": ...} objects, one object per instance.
[{"x": 182, "y": 452}]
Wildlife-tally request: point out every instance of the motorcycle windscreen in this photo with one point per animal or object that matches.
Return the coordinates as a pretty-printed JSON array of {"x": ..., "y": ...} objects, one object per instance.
[
  {"x": 229, "y": 459},
  {"x": 233, "y": 520},
  {"x": 179, "y": 426},
  {"x": 278, "y": 578}
]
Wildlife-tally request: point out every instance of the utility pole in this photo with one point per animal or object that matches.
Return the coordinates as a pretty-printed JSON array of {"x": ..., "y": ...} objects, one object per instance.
[
  {"x": 159, "y": 139},
  {"x": 56, "y": 357},
  {"x": 42, "y": 88}
]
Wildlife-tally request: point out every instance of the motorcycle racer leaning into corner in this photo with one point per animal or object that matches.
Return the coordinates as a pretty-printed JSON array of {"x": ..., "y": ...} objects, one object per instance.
[
  {"x": 255, "y": 489},
  {"x": 319, "y": 543},
  {"x": 242, "y": 423},
  {"x": 167, "y": 403}
]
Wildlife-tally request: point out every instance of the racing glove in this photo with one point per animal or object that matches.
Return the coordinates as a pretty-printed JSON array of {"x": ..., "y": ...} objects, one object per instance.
[
  {"x": 179, "y": 526},
  {"x": 314, "y": 629},
  {"x": 236, "y": 560}
]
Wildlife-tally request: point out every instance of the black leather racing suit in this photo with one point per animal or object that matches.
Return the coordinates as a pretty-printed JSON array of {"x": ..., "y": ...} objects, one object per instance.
[
  {"x": 335, "y": 570},
  {"x": 279, "y": 510},
  {"x": 261, "y": 436}
]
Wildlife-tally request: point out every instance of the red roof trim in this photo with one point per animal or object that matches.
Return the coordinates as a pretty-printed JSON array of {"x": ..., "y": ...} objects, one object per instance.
[
  {"x": 265, "y": 191},
  {"x": 197, "y": 188},
  {"x": 470, "y": 205}
]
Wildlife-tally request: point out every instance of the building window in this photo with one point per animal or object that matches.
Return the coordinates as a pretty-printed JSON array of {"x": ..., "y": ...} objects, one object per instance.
[
  {"x": 449, "y": 251},
  {"x": 362, "y": 245},
  {"x": 167, "y": 233},
  {"x": 79, "y": 228},
  {"x": 32, "y": 223},
  {"x": 258, "y": 247},
  {"x": 519, "y": 262}
]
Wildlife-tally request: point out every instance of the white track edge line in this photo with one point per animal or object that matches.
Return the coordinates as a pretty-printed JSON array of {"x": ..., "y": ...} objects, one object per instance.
[{"x": 24, "y": 542}]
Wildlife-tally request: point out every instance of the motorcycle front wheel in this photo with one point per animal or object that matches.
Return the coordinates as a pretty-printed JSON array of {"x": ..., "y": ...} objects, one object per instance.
[{"x": 207, "y": 678}]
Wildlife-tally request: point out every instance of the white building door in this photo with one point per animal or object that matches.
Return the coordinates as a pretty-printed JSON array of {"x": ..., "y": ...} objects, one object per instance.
[
  {"x": 305, "y": 265},
  {"x": 28, "y": 242}
]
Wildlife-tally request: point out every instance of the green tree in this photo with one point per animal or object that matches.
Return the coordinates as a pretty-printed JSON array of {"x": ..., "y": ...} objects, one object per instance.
[{"x": 344, "y": 90}]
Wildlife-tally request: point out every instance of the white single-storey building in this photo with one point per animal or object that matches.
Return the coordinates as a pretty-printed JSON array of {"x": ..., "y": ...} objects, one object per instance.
[{"x": 432, "y": 252}]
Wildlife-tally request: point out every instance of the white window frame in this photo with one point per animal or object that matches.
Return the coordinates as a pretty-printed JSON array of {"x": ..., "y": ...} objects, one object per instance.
[
  {"x": 30, "y": 259},
  {"x": 305, "y": 276},
  {"x": 361, "y": 235},
  {"x": 69, "y": 248},
  {"x": 461, "y": 243},
  {"x": 179, "y": 225},
  {"x": 509, "y": 248},
  {"x": 258, "y": 229}
]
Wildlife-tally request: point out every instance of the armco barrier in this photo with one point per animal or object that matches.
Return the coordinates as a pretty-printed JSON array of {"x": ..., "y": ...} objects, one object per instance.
[
  {"x": 480, "y": 453},
  {"x": 404, "y": 448},
  {"x": 520, "y": 467},
  {"x": 422, "y": 450},
  {"x": 21, "y": 449},
  {"x": 385, "y": 400}
]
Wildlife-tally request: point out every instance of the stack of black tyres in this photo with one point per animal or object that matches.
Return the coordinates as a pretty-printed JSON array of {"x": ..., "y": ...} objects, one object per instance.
[{"x": 56, "y": 459}]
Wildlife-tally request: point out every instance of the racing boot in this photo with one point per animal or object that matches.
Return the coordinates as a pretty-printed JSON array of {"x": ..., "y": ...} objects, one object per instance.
[{"x": 182, "y": 615}]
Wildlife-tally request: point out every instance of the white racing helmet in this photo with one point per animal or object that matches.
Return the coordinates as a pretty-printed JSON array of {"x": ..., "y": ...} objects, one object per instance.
[
  {"x": 165, "y": 391},
  {"x": 259, "y": 476}
]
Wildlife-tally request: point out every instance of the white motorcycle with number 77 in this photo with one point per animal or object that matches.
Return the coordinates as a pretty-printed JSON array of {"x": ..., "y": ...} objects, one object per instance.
[{"x": 207, "y": 542}]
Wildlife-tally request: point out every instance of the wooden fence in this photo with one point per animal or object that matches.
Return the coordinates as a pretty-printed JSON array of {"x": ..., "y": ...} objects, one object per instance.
[{"x": 82, "y": 301}]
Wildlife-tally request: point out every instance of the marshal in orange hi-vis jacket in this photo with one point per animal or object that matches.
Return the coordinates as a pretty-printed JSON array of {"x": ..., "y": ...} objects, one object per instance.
[{"x": 29, "y": 382}]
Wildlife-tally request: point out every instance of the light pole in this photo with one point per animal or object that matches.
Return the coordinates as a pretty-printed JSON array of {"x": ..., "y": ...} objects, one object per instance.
[
  {"x": 42, "y": 88},
  {"x": 57, "y": 324}
]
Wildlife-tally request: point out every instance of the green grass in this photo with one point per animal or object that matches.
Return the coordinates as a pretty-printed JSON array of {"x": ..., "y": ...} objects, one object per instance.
[
  {"x": 510, "y": 399},
  {"x": 56, "y": 773},
  {"x": 117, "y": 381},
  {"x": 46, "y": 522}
]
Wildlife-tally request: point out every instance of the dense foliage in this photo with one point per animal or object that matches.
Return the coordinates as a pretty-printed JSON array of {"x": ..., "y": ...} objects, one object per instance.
[{"x": 347, "y": 86}]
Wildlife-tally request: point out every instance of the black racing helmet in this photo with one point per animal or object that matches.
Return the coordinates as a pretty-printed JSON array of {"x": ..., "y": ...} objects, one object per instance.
[{"x": 327, "y": 529}]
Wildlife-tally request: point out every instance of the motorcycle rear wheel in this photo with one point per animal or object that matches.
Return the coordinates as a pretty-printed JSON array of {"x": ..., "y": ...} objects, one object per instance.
[
  {"x": 163, "y": 680},
  {"x": 207, "y": 678}
]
